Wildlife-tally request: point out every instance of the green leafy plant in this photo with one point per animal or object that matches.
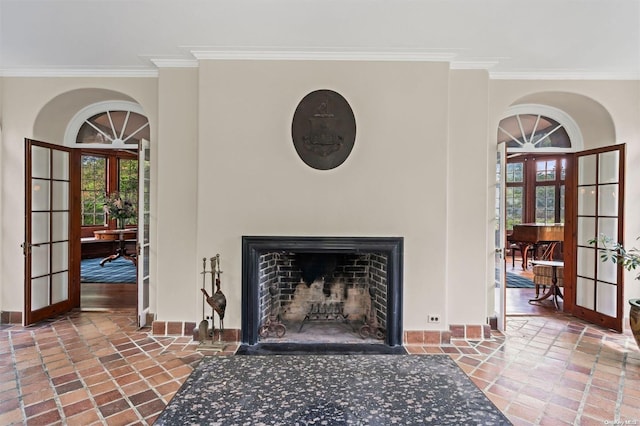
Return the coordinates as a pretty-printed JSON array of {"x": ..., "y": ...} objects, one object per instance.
[{"x": 612, "y": 251}]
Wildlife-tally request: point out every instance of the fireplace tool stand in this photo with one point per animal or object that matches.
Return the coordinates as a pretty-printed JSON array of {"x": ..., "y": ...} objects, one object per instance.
[
  {"x": 218, "y": 303},
  {"x": 273, "y": 324}
]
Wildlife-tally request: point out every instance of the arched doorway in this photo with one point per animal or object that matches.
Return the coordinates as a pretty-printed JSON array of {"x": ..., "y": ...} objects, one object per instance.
[
  {"x": 112, "y": 133},
  {"x": 591, "y": 202},
  {"x": 538, "y": 139},
  {"x": 108, "y": 135}
]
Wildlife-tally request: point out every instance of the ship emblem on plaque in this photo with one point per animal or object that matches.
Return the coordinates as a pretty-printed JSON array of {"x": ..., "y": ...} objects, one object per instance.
[{"x": 323, "y": 129}]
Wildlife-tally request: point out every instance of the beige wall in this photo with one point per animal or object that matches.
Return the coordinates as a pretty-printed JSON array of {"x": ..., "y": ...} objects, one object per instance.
[
  {"x": 468, "y": 300},
  {"x": 177, "y": 207},
  {"x": 393, "y": 184}
]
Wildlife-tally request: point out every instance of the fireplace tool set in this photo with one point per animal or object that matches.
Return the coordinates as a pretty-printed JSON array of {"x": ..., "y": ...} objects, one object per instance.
[
  {"x": 217, "y": 300},
  {"x": 273, "y": 324}
]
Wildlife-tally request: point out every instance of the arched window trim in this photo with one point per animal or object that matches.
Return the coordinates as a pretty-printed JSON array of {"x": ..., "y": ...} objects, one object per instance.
[
  {"x": 71, "y": 133},
  {"x": 571, "y": 127}
]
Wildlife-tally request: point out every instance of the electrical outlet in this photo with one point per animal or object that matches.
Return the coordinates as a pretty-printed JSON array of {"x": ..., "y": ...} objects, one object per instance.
[{"x": 434, "y": 318}]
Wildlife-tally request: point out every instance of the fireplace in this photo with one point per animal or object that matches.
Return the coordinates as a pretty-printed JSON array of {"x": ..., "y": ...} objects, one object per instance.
[{"x": 294, "y": 284}]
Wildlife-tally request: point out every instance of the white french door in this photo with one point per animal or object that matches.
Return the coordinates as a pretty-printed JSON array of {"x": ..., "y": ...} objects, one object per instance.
[
  {"x": 144, "y": 186},
  {"x": 500, "y": 284}
]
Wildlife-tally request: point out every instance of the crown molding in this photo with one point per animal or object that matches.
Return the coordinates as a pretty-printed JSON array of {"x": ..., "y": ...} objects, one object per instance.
[
  {"x": 401, "y": 56},
  {"x": 258, "y": 54},
  {"x": 174, "y": 63},
  {"x": 564, "y": 75},
  {"x": 79, "y": 72},
  {"x": 473, "y": 65}
]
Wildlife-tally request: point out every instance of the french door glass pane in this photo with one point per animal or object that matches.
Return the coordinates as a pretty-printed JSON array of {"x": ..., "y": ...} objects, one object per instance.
[
  {"x": 607, "y": 271},
  {"x": 39, "y": 227},
  {"x": 606, "y": 299},
  {"x": 40, "y": 195},
  {"x": 40, "y": 260},
  {"x": 608, "y": 200},
  {"x": 59, "y": 287},
  {"x": 586, "y": 227},
  {"x": 60, "y": 224},
  {"x": 562, "y": 198},
  {"x": 40, "y": 163},
  {"x": 587, "y": 170},
  {"x": 587, "y": 201},
  {"x": 39, "y": 293},
  {"x": 608, "y": 226},
  {"x": 585, "y": 294},
  {"x": 59, "y": 257},
  {"x": 608, "y": 167},
  {"x": 60, "y": 161},
  {"x": 586, "y": 262},
  {"x": 60, "y": 195}
]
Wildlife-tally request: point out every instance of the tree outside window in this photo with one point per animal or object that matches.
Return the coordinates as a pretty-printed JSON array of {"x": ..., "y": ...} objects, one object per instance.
[{"x": 103, "y": 174}]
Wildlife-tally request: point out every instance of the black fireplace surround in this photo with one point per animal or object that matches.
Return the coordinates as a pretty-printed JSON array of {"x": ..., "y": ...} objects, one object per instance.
[{"x": 255, "y": 246}]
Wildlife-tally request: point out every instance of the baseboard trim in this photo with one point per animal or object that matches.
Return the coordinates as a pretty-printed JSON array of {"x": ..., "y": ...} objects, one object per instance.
[
  {"x": 8, "y": 317},
  {"x": 469, "y": 332}
]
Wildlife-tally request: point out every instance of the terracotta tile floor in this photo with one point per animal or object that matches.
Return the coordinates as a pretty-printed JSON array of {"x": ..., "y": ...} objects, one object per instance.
[{"x": 97, "y": 368}]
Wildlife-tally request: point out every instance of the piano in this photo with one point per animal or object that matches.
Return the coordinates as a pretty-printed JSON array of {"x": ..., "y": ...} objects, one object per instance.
[{"x": 530, "y": 236}]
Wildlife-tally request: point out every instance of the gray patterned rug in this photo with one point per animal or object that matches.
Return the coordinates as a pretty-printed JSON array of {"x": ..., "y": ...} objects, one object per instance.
[{"x": 330, "y": 390}]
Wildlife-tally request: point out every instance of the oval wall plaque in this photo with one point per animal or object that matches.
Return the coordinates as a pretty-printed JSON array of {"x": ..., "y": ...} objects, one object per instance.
[{"x": 323, "y": 129}]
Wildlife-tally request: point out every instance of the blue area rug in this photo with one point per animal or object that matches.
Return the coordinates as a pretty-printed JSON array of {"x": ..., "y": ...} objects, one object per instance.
[
  {"x": 120, "y": 270},
  {"x": 330, "y": 390},
  {"x": 516, "y": 281}
]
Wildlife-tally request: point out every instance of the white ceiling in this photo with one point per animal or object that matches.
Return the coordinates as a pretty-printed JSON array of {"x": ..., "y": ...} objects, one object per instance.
[{"x": 597, "y": 39}]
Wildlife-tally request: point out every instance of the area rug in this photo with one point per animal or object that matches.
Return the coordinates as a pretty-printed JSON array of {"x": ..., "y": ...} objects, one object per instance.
[
  {"x": 119, "y": 270},
  {"x": 329, "y": 390},
  {"x": 517, "y": 281}
]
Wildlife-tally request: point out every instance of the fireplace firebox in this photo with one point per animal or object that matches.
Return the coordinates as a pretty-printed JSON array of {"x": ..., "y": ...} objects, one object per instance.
[{"x": 303, "y": 280}]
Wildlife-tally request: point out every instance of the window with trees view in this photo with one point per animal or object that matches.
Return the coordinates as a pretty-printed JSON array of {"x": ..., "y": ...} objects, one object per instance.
[
  {"x": 535, "y": 189},
  {"x": 103, "y": 173},
  {"x": 515, "y": 194},
  {"x": 93, "y": 189}
]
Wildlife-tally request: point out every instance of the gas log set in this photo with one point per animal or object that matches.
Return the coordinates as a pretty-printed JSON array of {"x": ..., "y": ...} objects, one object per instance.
[{"x": 301, "y": 292}]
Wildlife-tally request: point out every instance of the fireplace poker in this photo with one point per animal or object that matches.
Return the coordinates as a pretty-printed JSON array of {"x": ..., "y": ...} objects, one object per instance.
[{"x": 203, "y": 328}]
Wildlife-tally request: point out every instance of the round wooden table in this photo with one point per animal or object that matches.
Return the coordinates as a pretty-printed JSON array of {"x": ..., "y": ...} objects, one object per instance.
[{"x": 121, "y": 235}]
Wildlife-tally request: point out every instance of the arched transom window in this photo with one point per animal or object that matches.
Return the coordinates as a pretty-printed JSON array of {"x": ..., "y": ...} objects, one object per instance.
[
  {"x": 537, "y": 128},
  {"x": 108, "y": 125}
]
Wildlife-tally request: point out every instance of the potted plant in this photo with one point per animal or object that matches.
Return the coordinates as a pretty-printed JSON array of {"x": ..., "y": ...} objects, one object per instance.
[
  {"x": 119, "y": 209},
  {"x": 630, "y": 259}
]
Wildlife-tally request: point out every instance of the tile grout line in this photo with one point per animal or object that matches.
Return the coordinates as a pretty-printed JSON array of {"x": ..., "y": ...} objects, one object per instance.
[
  {"x": 623, "y": 377},
  {"x": 17, "y": 376}
]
